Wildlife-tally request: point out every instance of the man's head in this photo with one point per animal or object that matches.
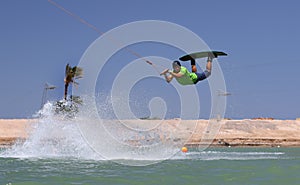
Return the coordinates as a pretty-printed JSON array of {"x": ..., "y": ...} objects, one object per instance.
[{"x": 176, "y": 66}]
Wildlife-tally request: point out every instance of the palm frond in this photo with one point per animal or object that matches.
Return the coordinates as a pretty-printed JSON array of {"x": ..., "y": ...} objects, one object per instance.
[{"x": 78, "y": 72}]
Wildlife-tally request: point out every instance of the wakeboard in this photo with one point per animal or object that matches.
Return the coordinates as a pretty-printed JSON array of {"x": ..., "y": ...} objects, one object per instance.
[{"x": 202, "y": 54}]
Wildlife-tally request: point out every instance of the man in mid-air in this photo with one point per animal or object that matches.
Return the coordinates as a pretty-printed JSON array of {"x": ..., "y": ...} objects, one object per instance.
[{"x": 183, "y": 76}]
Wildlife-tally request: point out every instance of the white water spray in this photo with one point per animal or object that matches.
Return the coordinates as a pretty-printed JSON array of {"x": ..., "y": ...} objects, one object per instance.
[{"x": 51, "y": 136}]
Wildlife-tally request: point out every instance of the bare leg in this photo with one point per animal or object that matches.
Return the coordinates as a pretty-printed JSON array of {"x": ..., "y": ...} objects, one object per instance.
[{"x": 209, "y": 64}]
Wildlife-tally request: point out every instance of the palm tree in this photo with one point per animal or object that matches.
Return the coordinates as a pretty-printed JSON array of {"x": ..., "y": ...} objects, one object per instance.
[{"x": 71, "y": 74}]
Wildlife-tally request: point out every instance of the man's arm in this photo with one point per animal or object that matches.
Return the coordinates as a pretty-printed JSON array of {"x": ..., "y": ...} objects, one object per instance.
[
  {"x": 172, "y": 74},
  {"x": 176, "y": 75}
]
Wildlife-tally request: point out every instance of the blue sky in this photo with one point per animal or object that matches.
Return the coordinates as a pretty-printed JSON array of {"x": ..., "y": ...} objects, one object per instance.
[{"x": 261, "y": 37}]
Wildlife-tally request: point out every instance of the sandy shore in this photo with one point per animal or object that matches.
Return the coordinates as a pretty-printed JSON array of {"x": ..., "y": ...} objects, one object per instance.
[
  {"x": 242, "y": 133},
  {"x": 12, "y": 130}
]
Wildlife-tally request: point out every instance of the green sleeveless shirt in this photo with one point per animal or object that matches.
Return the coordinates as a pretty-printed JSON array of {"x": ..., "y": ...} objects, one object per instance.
[{"x": 187, "y": 78}]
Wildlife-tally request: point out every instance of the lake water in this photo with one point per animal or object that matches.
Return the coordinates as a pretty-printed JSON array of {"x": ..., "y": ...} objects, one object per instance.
[{"x": 212, "y": 166}]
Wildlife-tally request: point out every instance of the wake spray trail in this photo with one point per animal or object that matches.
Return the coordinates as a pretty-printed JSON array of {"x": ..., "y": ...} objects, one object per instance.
[
  {"x": 55, "y": 136},
  {"x": 52, "y": 137}
]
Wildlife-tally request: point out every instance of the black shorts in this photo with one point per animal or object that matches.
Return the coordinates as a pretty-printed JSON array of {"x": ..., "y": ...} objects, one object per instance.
[{"x": 202, "y": 76}]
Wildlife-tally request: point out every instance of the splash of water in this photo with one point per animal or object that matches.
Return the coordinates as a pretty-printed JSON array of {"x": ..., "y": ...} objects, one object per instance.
[
  {"x": 84, "y": 136},
  {"x": 51, "y": 136}
]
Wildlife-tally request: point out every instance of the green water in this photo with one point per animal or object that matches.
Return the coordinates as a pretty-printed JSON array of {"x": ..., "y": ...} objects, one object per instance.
[{"x": 213, "y": 166}]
